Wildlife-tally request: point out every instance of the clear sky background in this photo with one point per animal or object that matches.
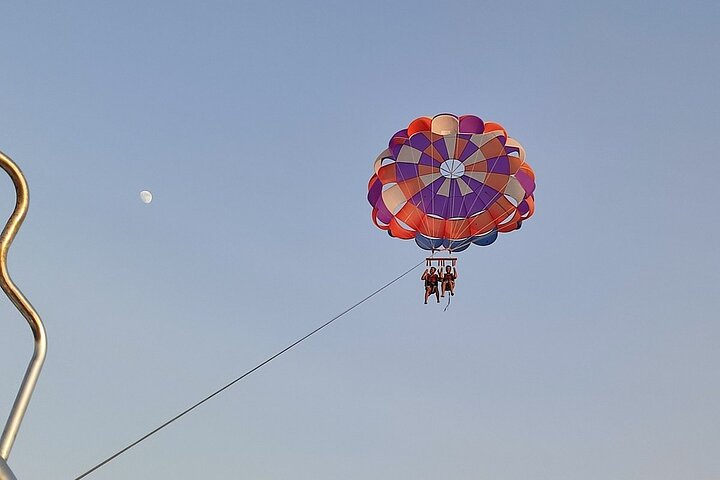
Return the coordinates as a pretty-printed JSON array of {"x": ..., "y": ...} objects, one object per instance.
[{"x": 584, "y": 346}]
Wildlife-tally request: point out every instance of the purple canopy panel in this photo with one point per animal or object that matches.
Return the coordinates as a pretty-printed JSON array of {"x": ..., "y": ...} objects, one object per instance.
[
  {"x": 441, "y": 149},
  {"x": 374, "y": 192},
  {"x": 480, "y": 199},
  {"x": 471, "y": 124},
  {"x": 395, "y": 150},
  {"x": 473, "y": 204},
  {"x": 439, "y": 206},
  {"x": 427, "y": 199},
  {"x": 489, "y": 195},
  {"x": 499, "y": 165},
  {"x": 475, "y": 185},
  {"x": 463, "y": 209},
  {"x": 526, "y": 181},
  {"x": 455, "y": 189},
  {"x": 406, "y": 171},
  {"x": 426, "y": 159},
  {"x": 419, "y": 141},
  {"x": 399, "y": 138},
  {"x": 469, "y": 149},
  {"x": 456, "y": 206},
  {"x": 523, "y": 208},
  {"x": 472, "y": 201},
  {"x": 383, "y": 214}
]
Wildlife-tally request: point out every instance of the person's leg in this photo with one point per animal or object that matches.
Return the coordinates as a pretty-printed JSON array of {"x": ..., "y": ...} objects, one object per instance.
[
  {"x": 427, "y": 293},
  {"x": 443, "y": 290},
  {"x": 437, "y": 294}
]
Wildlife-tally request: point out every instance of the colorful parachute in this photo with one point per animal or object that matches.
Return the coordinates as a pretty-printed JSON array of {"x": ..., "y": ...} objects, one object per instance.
[{"x": 449, "y": 182}]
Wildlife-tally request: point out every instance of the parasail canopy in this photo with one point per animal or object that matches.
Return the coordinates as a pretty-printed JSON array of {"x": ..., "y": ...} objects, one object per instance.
[{"x": 448, "y": 182}]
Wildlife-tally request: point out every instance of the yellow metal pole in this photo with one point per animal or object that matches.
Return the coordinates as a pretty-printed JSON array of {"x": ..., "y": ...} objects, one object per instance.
[{"x": 26, "y": 309}]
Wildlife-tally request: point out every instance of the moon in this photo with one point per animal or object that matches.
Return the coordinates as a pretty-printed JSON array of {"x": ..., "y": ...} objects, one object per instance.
[{"x": 145, "y": 196}]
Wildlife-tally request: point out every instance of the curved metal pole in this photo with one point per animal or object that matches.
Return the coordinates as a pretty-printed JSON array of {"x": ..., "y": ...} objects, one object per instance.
[{"x": 18, "y": 299}]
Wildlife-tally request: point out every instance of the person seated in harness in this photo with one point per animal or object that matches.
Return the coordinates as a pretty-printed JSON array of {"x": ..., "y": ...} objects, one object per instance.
[
  {"x": 431, "y": 284},
  {"x": 448, "y": 281}
]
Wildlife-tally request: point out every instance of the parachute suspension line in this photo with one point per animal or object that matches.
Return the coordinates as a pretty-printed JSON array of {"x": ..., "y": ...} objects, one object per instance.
[
  {"x": 448, "y": 304},
  {"x": 257, "y": 367},
  {"x": 453, "y": 183},
  {"x": 422, "y": 205},
  {"x": 429, "y": 260},
  {"x": 507, "y": 182},
  {"x": 403, "y": 179},
  {"x": 436, "y": 175}
]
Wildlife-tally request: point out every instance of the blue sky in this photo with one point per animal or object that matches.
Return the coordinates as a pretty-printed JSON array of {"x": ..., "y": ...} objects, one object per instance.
[{"x": 582, "y": 346}]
